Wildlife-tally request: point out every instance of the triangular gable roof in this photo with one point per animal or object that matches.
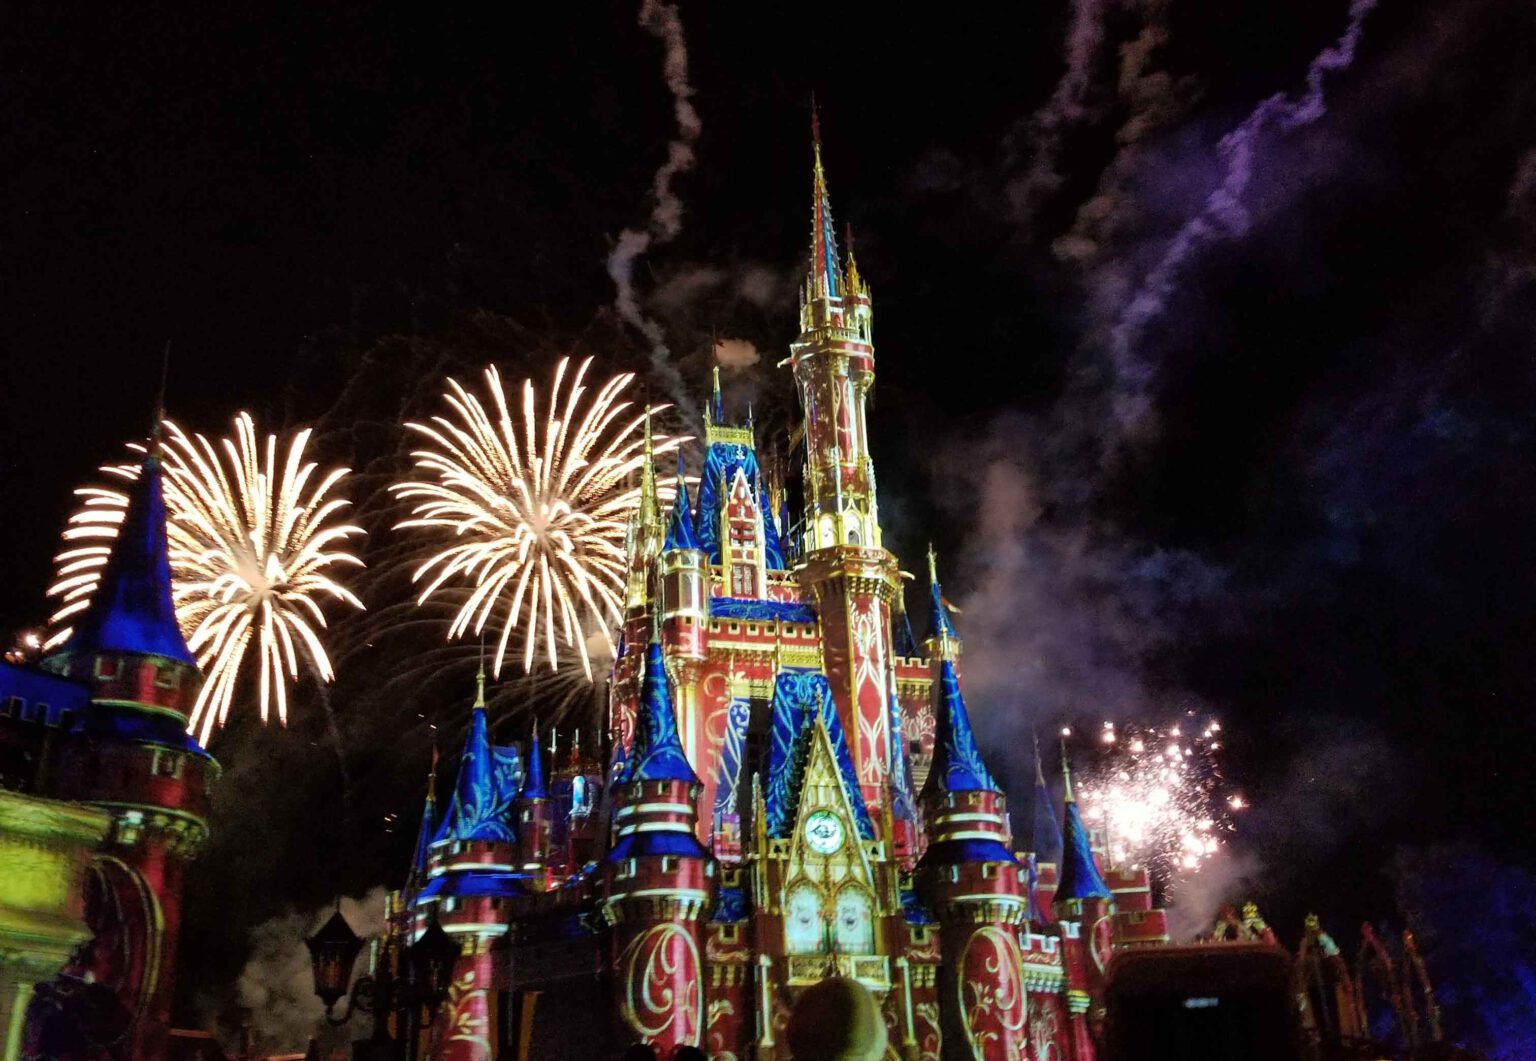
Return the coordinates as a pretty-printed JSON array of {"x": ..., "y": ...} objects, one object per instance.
[
  {"x": 722, "y": 460},
  {"x": 488, "y": 783},
  {"x": 801, "y": 697}
]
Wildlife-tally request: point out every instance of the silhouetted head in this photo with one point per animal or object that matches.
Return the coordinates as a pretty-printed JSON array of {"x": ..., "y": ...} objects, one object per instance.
[{"x": 836, "y": 1020}]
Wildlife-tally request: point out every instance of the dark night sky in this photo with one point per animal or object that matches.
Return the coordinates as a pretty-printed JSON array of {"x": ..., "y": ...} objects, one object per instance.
[{"x": 1302, "y": 495}]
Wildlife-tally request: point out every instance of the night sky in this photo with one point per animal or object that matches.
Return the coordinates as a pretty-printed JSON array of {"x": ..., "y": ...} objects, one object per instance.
[{"x": 1207, "y": 402}]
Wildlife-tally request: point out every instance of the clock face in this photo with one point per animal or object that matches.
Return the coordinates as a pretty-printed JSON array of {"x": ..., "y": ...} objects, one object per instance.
[{"x": 823, "y": 832}]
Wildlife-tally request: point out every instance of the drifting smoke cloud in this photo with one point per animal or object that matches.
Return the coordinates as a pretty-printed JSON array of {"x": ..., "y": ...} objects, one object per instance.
[
  {"x": 1064, "y": 616},
  {"x": 666, "y": 220},
  {"x": 736, "y": 353},
  {"x": 1067, "y": 106},
  {"x": 277, "y": 984},
  {"x": 1224, "y": 215},
  {"x": 1153, "y": 99}
]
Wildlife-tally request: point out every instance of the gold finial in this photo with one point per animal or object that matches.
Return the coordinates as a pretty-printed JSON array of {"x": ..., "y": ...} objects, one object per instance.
[
  {"x": 480, "y": 680},
  {"x": 933, "y": 564},
  {"x": 1039, "y": 768},
  {"x": 1066, "y": 773}
]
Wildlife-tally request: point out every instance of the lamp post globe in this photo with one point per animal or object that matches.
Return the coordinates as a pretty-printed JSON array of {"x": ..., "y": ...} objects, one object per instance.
[{"x": 332, "y": 953}]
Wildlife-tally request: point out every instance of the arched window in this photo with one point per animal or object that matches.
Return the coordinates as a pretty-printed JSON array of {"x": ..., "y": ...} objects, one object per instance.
[
  {"x": 803, "y": 923},
  {"x": 855, "y": 928}
]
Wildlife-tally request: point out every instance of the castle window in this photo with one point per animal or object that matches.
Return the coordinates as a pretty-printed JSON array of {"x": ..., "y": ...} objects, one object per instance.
[
  {"x": 166, "y": 764},
  {"x": 855, "y": 922},
  {"x": 166, "y": 677},
  {"x": 106, "y": 666},
  {"x": 804, "y": 927},
  {"x": 43, "y": 710},
  {"x": 14, "y": 706}
]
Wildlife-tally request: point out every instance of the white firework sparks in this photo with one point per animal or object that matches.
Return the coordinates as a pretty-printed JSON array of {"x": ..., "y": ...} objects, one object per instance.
[
  {"x": 531, "y": 510},
  {"x": 1159, "y": 795},
  {"x": 255, "y": 547}
]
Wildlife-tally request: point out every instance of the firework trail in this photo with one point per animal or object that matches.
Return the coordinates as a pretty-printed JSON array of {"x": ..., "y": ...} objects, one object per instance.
[
  {"x": 1224, "y": 215},
  {"x": 529, "y": 512},
  {"x": 255, "y": 548},
  {"x": 1159, "y": 796}
]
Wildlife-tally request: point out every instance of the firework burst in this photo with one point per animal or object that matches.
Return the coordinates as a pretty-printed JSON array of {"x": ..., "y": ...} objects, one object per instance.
[
  {"x": 255, "y": 548},
  {"x": 530, "y": 510},
  {"x": 1159, "y": 795}
]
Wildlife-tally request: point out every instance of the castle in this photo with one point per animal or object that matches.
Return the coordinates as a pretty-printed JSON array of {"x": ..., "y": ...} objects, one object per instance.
[{"x": 793, "y": 787}]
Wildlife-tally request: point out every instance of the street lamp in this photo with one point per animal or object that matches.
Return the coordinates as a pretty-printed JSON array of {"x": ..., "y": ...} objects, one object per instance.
[
  {"x": 332, "y": 953},
  {"x": 432, "y": 958}
]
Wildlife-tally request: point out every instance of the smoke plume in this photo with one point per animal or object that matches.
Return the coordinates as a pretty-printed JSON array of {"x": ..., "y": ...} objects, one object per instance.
[
  {"x": 277, "y": 984},
  {"x": 1224, "y": 215},
  {"x": 1044, "y": 131},
  {"x": 666, "y": 219}
]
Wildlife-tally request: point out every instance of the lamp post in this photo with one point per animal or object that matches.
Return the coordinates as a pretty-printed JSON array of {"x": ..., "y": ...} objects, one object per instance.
[{"x": 402, "y": 988}]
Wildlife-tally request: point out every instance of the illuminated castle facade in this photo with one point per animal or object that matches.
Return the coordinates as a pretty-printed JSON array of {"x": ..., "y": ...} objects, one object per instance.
[
  {"x": 792, "y": 788},
  {"x": 99, "y": 731}
]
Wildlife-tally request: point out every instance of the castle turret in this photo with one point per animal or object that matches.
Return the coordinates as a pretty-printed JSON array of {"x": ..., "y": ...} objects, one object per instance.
[
  {"x": 658, "y": 880},
  {"x": 472, "y": 875},
  {"x": 970, "y": 878},
  {"x": 684, "y": 571},
  {"x": 534, "y": 816},
  {"x": 131, "y": 756},
  {"x": 849, "y": 575},
  {"x": 1085, "y": 907}
]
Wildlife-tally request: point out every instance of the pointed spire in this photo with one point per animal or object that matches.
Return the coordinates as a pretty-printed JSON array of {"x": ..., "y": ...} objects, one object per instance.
[
  {"x": 716, "y": 399},
  {"x": 826, "y": 274},
  {"x": 428, "y": 825},
  {"x": 133, "y": 609},
  {"x": 957, "y": 764},
  {"x": 905, "y": 642},
  {"x": 650, "y": 504},
  {"x": 855, "y": 282},
  {"x": 942, "y": 630},
  {"x": 680, "y": 527},
  {"x": 1079, "y": 877},
  {"x": 480, "y": 807},
  {"x": 658, "y": 754},
  {"x": 1046, "y": 835},
  {"x": 534, "y": 787}
]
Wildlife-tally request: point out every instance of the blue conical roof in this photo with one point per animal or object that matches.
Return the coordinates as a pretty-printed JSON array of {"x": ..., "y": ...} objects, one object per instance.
[
  {"x": 428, "y": 825},
  {"x": 1045, "y": 839},
  {"x": 481, "y": 807},
  {"x": 941, "y": 626},
  {"x": 1079, "y": 877},
  {"x": 906, "y": 644},
  {"x": 722, "y": 460},
  {"x": 658, "y": 751},
  {"x": 680, "y": 527},
  {"x": 534, "y": 787},
  {"x": 957, "y": 765},
  {"x": 132, "y": 609}
]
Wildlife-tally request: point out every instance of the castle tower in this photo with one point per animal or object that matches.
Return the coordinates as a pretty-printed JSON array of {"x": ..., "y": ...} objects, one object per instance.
[
  {"x": 534, "y": 817},
  {"x": 684, "y": 572},
  {"x": 971, "y": 879},
  {"x": 658, "y": 881},
  {"x": 1085, "y": 907},
  {"x": 849, "y": 575},
  {"x": 471, "y": 876},
  {"x": 130, "y": 755}
]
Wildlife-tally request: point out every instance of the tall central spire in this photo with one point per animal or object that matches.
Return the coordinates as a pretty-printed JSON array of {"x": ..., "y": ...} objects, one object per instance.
[{"x": 826, "y": 270}]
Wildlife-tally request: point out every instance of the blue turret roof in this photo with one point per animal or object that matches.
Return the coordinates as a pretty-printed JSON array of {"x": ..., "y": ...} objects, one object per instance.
[
  {"x": 722, "y": 460},
  {"x": 658, "y": 752},
  {"x": 533, "y": 787},
  {"x": 826, "y": 271},
  {"x": 957, "y": 765},
  {"x": 1045, "y": 837},
  {"x": 680, "y": 527},
  {"x": 940, "y": 625},
  {"x": 800, "y": 698},
  {"x": 716, "y": 400},
  {"x": 428, "y": 824},
  {"x": 132, "y": 609},
  {"x": 489, "y": 781},
  {"x": 1079, "y": 877},
  {"x": 906, "y": 644}
]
